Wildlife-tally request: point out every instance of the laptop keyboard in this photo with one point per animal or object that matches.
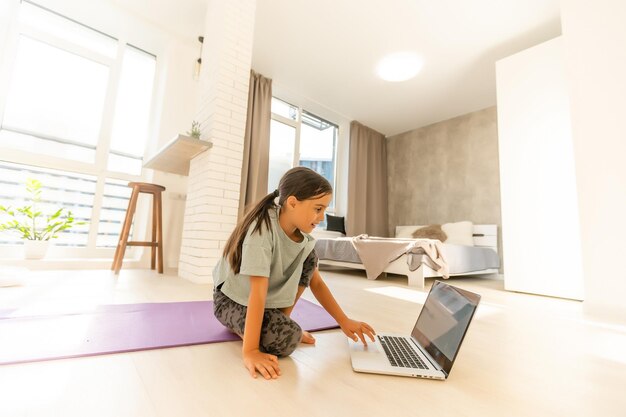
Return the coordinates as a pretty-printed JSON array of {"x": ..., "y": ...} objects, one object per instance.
[{"x": 400, "y": 353}]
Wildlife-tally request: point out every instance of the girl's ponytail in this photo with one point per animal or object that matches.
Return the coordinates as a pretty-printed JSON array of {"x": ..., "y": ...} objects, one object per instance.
[
  {"x": 260, "y": 213},
  {"x": 300, "y": 182}
]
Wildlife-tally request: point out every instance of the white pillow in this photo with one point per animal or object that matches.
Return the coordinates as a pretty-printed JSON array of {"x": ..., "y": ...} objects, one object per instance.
[{"x": 459, "y": 233}]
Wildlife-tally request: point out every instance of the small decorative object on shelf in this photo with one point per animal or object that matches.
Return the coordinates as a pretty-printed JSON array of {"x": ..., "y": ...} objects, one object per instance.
[
  {"x": 195, "y": 130},
  {"x": 34, "y": 227}
]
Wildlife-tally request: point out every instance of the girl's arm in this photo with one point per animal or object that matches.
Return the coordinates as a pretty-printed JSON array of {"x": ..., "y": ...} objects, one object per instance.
[
  {"x": 351, "y": 328},
  {"x": 253, "y": 358}
]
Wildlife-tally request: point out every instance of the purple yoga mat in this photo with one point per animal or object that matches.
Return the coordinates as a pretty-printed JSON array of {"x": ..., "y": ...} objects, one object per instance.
[{"x": 125, "y": 328}]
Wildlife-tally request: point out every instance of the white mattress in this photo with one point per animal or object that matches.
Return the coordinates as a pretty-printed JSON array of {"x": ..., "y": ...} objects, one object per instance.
[{"x": 323, "y": 233}]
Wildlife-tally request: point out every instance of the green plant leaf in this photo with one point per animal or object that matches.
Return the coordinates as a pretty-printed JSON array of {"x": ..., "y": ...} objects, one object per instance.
[
  {"x": 55, "y": 215},
  {"x": 33, "y": 224}
]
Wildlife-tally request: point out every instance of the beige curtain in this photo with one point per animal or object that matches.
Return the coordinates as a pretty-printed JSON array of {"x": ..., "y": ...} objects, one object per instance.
[
  {"x": 256, "y": 145},
  {"x": 367, "y": 182}
]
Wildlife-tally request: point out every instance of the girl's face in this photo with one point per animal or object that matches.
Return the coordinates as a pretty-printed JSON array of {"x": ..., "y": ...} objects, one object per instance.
[{"x": 306, "y": 214}]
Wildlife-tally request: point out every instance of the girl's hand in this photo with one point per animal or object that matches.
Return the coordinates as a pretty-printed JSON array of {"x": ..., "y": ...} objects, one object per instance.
[
  {"x": 356, "y": 329},
  {"x": 264, "y": 363}
]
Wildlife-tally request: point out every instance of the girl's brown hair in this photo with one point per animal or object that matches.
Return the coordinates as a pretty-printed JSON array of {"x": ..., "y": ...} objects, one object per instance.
[{"x": 300, "y": 182}]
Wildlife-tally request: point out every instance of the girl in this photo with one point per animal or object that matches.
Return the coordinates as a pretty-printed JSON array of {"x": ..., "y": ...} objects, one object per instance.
[{"x": 268, "y": 262}]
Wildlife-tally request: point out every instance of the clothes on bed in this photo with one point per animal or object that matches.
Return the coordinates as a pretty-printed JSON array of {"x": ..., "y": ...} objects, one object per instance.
[{"x": 376, "y": 253}]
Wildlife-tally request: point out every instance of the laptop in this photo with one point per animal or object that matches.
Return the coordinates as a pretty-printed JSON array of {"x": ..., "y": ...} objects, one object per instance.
[{"x": 433, "y": 345}]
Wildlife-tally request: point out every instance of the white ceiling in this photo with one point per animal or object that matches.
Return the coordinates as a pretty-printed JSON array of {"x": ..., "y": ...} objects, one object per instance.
[{"x": 327, "y": 50}]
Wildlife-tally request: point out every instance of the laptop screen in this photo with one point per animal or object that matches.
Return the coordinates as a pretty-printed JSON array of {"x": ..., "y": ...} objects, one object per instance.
[{"x": 443, "y": 322}]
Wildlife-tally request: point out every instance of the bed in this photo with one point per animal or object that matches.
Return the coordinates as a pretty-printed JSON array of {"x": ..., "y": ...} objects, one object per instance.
[{"x": 336, "y": 250}]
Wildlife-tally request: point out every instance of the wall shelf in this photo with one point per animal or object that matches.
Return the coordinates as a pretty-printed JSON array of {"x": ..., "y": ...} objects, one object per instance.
[{"x": 175, "y": 156}]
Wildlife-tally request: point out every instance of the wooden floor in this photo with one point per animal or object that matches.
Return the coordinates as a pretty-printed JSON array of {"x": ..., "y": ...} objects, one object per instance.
[{"x": 523, "y": 356}]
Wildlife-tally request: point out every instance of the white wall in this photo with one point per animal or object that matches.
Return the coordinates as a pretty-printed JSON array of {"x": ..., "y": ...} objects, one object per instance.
[
  {"x": 540, "y": 230},
  {"x": 173, "y": 115},
  {"x": 595, "y": 50}
]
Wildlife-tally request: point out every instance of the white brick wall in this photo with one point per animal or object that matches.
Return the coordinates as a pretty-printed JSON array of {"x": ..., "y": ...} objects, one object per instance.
[{"x": 214, "y": 176}]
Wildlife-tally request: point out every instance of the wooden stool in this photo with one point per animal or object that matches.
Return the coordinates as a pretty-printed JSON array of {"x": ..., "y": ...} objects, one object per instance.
[{"x": 157, "y": 225}]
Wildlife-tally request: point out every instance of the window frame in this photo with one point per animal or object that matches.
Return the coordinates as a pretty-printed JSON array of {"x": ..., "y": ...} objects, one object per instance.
[{"x": 14, "y": 29}]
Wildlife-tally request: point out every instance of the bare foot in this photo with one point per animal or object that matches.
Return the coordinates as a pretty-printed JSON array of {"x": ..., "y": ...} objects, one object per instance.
[{"x": 307, "y": 338}]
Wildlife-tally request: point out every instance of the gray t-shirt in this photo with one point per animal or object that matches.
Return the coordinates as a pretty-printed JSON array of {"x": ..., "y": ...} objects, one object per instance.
[{"x": 269, "y": 254}]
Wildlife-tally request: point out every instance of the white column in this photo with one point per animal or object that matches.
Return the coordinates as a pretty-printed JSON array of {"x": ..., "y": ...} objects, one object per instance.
[
  {"x": 594, "y": 34},
  {"x": 214, "y": 176},
  {"x": 540, "y": 226}
]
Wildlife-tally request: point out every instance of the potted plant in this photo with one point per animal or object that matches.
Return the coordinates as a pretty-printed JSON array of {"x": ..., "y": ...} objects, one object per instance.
[
  {"x": 195, "y": 130},
  {"x": 34, "y": 227}
]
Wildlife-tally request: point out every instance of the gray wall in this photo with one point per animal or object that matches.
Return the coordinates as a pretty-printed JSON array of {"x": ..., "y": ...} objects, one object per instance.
[{"x": 446, "y": 172}]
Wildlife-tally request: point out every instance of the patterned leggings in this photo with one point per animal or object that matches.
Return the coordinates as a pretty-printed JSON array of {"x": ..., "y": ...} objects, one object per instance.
[{"x": 280, "y": 335}]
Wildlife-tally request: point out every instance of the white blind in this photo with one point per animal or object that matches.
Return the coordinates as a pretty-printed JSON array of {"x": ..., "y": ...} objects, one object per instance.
[{"x": 60, "y": 189}]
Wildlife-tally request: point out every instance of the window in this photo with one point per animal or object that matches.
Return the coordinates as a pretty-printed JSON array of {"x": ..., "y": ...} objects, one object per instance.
[
  {"x": 114, "y": 204},
  {"x": 298, "y": 137},
  {"x": 317, "y": 145},
  {"x": 56, "y": 108},
  {"x": 282, "y": 145},
  {"x": 132, "y": 111},
  {"x": 61, "y": 27},
  {"x": 78, "y": 102}
]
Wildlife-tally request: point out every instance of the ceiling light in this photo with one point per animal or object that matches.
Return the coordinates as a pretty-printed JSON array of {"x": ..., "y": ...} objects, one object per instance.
[{"x": 400, "y": 66}]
